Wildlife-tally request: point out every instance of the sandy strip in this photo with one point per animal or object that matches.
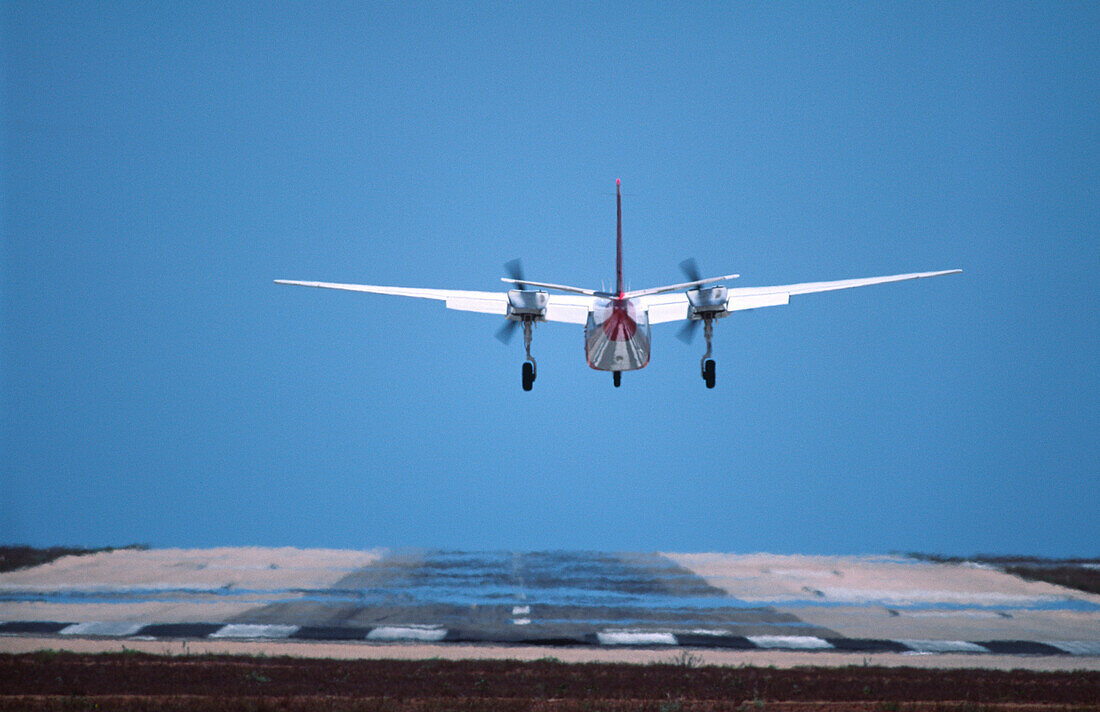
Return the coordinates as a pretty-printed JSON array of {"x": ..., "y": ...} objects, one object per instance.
[
  {"x": 225, "y": 569},
  {"x": 363, "y": 651},
  {"x": 862, "y": 579},
  {"x": 974, "y": 624},
  {"x": 217, "y": 584},
  {"x": 212, "y": 611},
  {"x": 895, "y": 598}
]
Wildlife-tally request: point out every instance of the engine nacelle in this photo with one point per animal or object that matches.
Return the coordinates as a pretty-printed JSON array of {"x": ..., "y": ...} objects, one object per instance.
[
  {"x": 526, "y": 304},
  {"x": 710, "y": 302}
]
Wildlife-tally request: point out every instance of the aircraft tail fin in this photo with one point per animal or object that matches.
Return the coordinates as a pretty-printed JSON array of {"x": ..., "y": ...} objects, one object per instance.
[{"x": 618, "y": 239}]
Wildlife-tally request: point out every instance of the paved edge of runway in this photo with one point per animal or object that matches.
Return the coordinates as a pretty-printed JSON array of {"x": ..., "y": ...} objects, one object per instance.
[{"x": 602, "y": 639}]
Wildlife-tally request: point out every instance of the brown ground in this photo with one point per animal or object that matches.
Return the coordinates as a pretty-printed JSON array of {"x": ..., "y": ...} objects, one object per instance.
[
  {"x": 1081, "y": 574},
  {"x": 132, "y": 681},
  {"x": 13, "y": 558}
]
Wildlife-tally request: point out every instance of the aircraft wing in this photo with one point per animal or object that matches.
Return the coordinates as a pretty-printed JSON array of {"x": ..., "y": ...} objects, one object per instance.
[
  {"x": 567, "y": 308},
  {"x": 674, "y": 307}
]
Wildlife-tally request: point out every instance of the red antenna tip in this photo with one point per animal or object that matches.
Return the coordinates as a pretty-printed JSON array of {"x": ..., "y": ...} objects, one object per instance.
[{"x": 616, "y": 181}]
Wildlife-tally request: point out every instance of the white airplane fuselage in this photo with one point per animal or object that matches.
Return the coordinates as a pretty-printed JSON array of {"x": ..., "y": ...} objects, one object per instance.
[{"x": 616, "y": 336}]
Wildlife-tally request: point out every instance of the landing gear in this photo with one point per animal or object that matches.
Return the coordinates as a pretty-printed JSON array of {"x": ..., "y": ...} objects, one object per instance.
[
  {"x": 529, "y": 366},
  {"x": 617, "y": 377},
  {"x": 707, "y": 363},
  {"x": 708, "y": 372}
]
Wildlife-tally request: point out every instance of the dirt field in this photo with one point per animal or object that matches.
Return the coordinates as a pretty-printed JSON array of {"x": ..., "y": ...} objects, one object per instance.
[{"x": 132, "y": 681}]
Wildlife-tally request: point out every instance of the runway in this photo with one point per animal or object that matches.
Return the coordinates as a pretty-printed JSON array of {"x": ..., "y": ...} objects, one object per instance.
[{"x": 580, "y": 600}]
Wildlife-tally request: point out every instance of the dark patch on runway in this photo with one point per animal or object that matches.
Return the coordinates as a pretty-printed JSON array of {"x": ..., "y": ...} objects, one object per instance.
[
  {"x": 1019, "y": 647},
  {"x": 506, "y": 596},
  {"x": 313, "y": 632},
  {"x": 868, "y": 645},
  {"x": 518, "y": 637},
  {"x": 732, "y": 642},
  {"x": 31, "y": 627}
]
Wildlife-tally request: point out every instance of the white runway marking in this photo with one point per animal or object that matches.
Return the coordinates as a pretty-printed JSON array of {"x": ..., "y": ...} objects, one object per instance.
[
  {"x": 790, "y": 642},
  {"x": 117, "y": 629},
  {"x": 393, "y": 632},
  {"x": 635, "y": 638},
  {"x": 253, "y": 630},
  {"x": 943, "y": 646},
  {"x": 521, "y": 610},
  {"x": 1077, "y": 647}
]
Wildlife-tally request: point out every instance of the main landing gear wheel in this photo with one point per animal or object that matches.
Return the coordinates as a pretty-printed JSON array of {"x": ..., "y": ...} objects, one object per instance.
[
  {"x": 707, "y": 362},
  {"x": 617, "y": 377},
  {"x": 708, "y": 372},
  {"x": 529, "y": 372}
]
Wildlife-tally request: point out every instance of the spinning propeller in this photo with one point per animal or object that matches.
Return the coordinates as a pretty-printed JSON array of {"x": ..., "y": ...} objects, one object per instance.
[
  {"x": 514, "y": 268},
  {"x": 686, "y": 333}
]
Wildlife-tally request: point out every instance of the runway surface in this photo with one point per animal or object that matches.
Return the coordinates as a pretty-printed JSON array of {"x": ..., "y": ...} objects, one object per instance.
[{"x": 579, "y": 599}]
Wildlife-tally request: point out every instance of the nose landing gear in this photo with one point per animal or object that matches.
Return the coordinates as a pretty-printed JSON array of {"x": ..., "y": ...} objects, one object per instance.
[
  {"x": 707, "y": 363},
  {"x": 529, "y": 366},
  {"x": 617, "y": 377}
]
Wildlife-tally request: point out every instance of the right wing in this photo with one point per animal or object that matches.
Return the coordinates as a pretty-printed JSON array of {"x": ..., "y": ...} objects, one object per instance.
[
  {"x": 674, "y": 307},
  {"x": 677, "y": 287},
  {"x": 568, "y": 309}
]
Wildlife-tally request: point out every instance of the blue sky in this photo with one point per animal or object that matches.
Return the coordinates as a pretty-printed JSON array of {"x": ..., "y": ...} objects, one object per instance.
[{"x": 162, "y": 163}]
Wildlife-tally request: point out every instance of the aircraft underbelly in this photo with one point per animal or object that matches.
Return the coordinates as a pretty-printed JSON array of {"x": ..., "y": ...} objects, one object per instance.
[{"x": 616, "y": 338}]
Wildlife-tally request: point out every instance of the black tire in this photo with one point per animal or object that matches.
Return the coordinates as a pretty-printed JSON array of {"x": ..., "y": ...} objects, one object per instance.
[
  {"x": 708, "y": 373},
  {"x": 528, "y": 375},
  {"x": 617, "y": 377}
]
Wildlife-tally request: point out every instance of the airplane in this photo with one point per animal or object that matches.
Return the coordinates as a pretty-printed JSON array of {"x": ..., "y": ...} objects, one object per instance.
[{"x": 616, "y": 323}]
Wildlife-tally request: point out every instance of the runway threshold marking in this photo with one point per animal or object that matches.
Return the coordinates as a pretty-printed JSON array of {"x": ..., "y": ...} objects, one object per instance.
[
  {"x": 635, "y": 638},
  {"x": 255, "y": 630},
  {"x": 1078, "y": 647},
  {"x": 790, "y": 642},
  {"x": 109, "y": 629},
  {"x": 416, "y": 633},
  {"x": 944, "y": 646}
]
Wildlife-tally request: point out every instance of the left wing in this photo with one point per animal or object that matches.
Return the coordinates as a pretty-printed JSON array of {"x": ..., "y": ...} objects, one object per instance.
[
  {"x": 674, "y": 307},
  {"x": 568, "y": 309}
]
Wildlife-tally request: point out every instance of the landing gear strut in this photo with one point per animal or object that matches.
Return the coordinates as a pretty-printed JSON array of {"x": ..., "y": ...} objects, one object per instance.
[
  {"x": 617, "y": 377},
  {"x": 529, "y": 367},
  {"x": 707, "y": 363}
]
